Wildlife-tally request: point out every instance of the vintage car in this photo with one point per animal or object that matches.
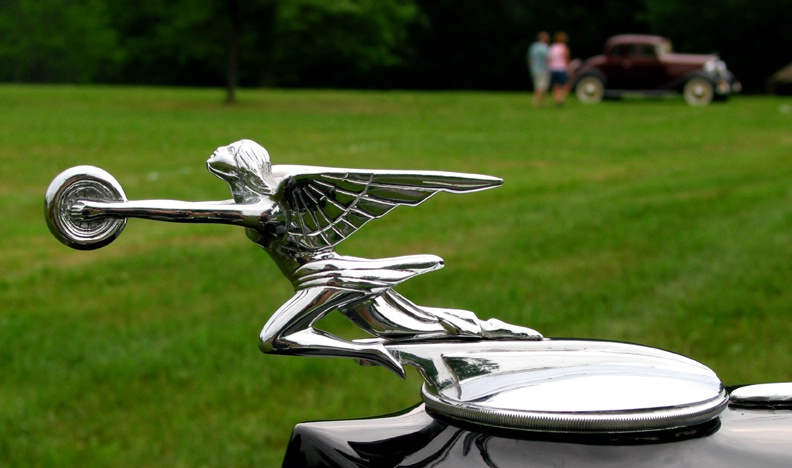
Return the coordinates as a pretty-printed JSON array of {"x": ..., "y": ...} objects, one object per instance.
[{"x": 644, "y": 64}]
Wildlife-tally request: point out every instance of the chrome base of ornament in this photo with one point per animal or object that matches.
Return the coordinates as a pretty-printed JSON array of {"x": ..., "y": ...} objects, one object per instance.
[{"x": 569, "y": 386}]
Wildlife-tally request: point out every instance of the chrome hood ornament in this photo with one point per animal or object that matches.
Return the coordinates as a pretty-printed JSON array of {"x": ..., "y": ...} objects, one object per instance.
[{"x": 484, "y": 372}]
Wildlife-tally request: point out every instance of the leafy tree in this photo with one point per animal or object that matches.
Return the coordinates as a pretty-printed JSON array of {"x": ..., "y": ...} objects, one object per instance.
[
  {"x": 264, "y": 42},
  {"x": 341, "y": 43},
  {"x": 51, "y": 40},
  {"x": 194, "y": 42},
  {"x": 434, "y": 44},
  {"x": 171, "y": 42},
  {"x": 750, "y": 36}
]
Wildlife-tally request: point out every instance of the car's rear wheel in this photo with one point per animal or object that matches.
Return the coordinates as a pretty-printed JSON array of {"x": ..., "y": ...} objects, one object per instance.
[
  {"x": 698, "y": 91},
  {"x": 590, "y": 89}
]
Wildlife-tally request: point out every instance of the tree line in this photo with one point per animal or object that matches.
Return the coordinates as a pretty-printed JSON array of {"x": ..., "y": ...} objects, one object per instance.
[{"x": 408, "y": 44}]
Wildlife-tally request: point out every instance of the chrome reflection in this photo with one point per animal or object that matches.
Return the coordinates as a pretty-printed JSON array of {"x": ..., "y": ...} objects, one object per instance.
[{"x": 770, "y": 395}]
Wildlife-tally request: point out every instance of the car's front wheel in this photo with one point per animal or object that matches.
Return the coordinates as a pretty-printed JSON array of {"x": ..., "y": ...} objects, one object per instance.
[
  {"x": 590, "y": 89},
  {"x": 698, "y": 91}
]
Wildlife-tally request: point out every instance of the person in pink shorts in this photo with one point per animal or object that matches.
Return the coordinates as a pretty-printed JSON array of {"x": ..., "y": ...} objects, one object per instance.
[{"x": 558, "y": 63}]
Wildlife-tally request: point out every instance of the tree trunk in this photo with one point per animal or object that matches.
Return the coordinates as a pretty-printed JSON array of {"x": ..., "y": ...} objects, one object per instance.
[{"x": 232, "y": 75}]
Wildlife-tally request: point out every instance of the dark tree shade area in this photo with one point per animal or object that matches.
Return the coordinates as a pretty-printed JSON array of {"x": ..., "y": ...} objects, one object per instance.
[{"x": 422, "y": 44}]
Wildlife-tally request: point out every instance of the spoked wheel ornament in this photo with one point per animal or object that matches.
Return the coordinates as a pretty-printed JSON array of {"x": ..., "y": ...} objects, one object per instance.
[{"x": 70, "y": 187}]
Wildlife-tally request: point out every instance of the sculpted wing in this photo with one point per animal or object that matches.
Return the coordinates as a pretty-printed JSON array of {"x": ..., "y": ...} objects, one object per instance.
[{"x": 327, "y": 205}]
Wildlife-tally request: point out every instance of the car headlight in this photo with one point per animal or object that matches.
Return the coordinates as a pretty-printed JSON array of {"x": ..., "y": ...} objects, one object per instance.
[{"x": 715, "y": 66}]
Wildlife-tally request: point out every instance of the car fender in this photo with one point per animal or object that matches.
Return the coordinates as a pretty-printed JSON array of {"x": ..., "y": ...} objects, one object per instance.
[
  {"x": 682, "y": 81},
  {"x": 589, "y": 72}
]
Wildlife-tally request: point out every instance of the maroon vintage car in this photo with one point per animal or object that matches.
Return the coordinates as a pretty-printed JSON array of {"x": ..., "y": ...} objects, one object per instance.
[{"x": 644, "y": 64}]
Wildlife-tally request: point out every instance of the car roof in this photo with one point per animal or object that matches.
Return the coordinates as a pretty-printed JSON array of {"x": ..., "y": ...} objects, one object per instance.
[{"x": 635, "y": 38}]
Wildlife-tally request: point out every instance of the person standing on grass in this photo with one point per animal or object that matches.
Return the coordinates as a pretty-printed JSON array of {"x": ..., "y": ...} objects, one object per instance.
[
  {"x": 537, "y": 64},
  {"x": 558, "y": 63}
]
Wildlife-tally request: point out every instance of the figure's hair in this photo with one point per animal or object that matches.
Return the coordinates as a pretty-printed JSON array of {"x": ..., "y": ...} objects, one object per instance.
[{"x": 253, "y": 165}]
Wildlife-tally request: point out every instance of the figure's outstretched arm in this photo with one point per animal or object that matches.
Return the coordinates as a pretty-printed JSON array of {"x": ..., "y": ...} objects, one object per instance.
[{"x": 228, "y": 212}]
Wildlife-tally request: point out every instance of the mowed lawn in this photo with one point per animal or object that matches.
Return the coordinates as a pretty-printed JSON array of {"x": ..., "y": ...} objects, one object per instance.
[{"x": 642, "y": 220}]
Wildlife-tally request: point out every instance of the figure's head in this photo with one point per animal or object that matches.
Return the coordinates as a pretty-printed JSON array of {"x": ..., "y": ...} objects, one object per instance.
[
  {"x": 244, "y": 165},
  {"x": 543, "y": 37}
]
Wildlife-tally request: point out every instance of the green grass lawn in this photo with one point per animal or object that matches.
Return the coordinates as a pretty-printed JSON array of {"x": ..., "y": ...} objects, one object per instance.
[{"x": 642, "y": 220}]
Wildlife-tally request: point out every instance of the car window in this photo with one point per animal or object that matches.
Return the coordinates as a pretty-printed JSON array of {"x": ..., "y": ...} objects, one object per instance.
[
  {"x": 644, "y": 51},
  {"x": 621, "y": 50}
]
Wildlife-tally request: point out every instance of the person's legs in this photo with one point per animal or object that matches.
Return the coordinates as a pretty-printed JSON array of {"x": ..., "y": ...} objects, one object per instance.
[
  {"x": 541, "y": 82},
  {"x": 559, "y": 81}
]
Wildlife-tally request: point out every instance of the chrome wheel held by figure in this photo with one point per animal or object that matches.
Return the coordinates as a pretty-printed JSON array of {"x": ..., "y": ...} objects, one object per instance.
[{"x": 62, "y": 206}]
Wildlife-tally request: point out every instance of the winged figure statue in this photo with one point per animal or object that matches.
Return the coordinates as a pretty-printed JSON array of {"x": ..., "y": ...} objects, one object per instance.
[{"x": 298, "y": 215}]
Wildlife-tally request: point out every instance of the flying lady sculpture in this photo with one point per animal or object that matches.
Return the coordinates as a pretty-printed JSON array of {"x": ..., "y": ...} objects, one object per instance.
[
  {"x": 482, "y": 372},
  {"x": 298, "y": 215}
]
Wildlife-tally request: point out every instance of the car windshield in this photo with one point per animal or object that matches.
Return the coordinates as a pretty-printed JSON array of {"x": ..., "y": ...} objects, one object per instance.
[{"x": 664, "y": 48}]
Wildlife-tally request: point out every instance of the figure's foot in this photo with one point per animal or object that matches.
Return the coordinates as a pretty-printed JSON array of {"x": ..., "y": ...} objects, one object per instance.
[{"x": 494, "y": 329}]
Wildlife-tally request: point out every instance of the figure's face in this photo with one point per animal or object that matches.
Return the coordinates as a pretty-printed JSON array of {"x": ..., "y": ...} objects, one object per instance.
[
  {"x": 222, "y": 163},
  {"x": 245, "y": 167}
]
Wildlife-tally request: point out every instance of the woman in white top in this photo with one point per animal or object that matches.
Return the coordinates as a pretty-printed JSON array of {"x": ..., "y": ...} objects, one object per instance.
[{"x": 558, "y": 63}]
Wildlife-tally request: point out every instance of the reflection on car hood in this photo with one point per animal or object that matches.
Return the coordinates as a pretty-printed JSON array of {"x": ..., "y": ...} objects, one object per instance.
[{"x": 693, "y": 59}]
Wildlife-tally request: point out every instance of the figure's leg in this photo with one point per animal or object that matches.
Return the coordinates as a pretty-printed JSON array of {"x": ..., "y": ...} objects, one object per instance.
[
  {"x": 391, "y": 316},
  {"x": 453, "y": 321},
  {"x": 463, "y": 323},
  {"x": 395, "y": 317},
  {"x": 290, "y": 330}
]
